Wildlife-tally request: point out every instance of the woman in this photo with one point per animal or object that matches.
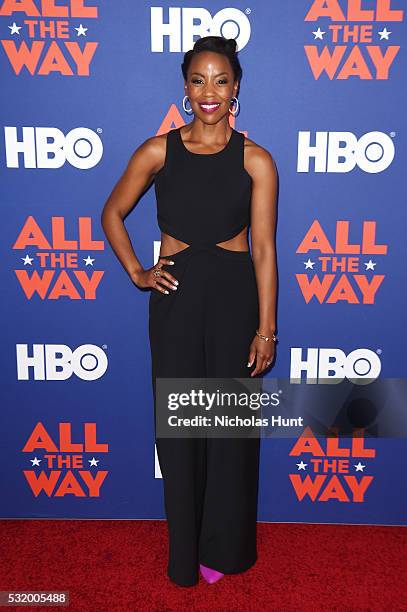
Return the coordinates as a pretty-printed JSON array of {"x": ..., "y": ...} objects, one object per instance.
[{"x": 212, "y": 303}]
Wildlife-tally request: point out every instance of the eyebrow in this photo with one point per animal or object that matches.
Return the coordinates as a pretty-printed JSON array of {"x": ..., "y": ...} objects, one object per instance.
[{"x": 216, "y": 75}]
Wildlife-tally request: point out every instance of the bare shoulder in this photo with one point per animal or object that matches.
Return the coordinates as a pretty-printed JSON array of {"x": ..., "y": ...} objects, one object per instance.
[
  {"x": 151, "y": 153},
  {"x": 258, "y": 161}
]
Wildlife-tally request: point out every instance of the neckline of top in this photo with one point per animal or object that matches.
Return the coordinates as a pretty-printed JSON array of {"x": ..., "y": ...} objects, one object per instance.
[{"x": 178, "y": 130}]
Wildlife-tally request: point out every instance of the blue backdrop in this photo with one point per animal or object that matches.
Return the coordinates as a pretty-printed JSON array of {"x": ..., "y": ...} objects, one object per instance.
[{"x": 84, "y": 84}]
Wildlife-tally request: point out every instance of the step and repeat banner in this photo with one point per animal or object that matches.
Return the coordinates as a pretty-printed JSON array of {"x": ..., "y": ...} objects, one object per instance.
[{"x": 85, "y": 83}]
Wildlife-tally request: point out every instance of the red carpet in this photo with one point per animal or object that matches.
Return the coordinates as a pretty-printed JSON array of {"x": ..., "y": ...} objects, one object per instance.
[{"x": 111, "y": 566}]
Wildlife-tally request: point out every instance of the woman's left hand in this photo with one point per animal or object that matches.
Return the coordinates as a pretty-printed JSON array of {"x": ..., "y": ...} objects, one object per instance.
[{"x": 261, "y": 351}]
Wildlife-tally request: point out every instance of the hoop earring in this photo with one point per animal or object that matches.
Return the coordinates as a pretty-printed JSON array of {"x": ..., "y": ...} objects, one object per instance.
[
  {"x": 237, "y": 106},
  {"x": 188, "y": 111}
]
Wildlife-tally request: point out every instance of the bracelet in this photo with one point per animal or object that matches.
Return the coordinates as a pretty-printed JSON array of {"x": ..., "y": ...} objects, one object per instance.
[{"x": 266, "y": 338}]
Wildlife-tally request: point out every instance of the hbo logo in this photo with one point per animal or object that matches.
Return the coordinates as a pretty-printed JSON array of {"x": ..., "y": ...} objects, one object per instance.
[
  {"x": 181, "y": 29},
  {"x": 47, "y": 147},
  {"x": 342, "y": 151},
  {"x": 332, "y": 365},
  {"x": 59, "y": 362}
]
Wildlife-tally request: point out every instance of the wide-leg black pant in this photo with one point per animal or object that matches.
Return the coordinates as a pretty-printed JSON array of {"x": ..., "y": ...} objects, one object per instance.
[{"x": 204, "y": 329}]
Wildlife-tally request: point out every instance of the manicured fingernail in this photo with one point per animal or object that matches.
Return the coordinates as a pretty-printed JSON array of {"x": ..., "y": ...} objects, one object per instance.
[
  {"x": 249, "y": 364},
  {"x": 166, "y": 291},
  {"x": 175, "y": 282},
  {"x": 172, "y": 262},
  {"x": 174, "y": 287}
]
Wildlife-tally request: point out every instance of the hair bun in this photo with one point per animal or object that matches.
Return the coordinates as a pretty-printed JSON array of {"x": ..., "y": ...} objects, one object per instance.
[{"x": 231, "y": 44}]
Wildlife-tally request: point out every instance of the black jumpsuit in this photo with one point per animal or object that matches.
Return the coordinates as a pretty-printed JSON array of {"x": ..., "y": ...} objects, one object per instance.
[{"x": 204, "y": 329}]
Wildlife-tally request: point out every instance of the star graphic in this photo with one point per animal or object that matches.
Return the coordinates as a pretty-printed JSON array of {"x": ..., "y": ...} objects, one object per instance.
[
  {"x": 35, "y": 461},
  {"x": 15, "y": 29},
  {"x": 370, "y": 265},
  {"x": 27, "y": 260},
  {"x": 94, "y": 461},
  {"x": 318, "y": 34},
  {"x": 309, "y": 264},
  {"x": 81, "y": 30},
  {"x": 88, "y": 261},
  {"x": 359, "y": 467},
  {"x": 384, "y": 34},
  {"x": 302, "y": 465}
]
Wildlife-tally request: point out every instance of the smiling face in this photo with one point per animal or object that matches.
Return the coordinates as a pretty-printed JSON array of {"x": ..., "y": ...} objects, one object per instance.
[{"x": 210, "y": 86}]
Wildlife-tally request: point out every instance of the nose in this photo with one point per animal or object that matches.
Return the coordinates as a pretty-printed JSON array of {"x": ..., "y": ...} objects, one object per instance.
[{"x": 209, "y": 90}]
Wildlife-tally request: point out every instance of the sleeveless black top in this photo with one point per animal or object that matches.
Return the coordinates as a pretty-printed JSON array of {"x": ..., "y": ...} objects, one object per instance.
[{"x": 203, "y": 198}]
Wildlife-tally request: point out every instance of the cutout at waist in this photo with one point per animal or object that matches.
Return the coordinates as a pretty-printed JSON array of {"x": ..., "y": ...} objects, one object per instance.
[
  {"x": 211, "y": 249},
  {"x": 181, "y": 246}
]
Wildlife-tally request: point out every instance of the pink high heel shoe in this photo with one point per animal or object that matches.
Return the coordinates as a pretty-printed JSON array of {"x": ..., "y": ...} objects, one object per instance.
[{"x": 209, "y": 574}]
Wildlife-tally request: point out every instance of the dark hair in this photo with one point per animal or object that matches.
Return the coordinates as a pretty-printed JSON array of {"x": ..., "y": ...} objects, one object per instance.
[{"x": 217, "y": 44}]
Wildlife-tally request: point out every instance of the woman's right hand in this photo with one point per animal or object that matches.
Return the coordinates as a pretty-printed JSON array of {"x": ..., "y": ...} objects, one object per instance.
[{"x": 147, "y": 279}]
